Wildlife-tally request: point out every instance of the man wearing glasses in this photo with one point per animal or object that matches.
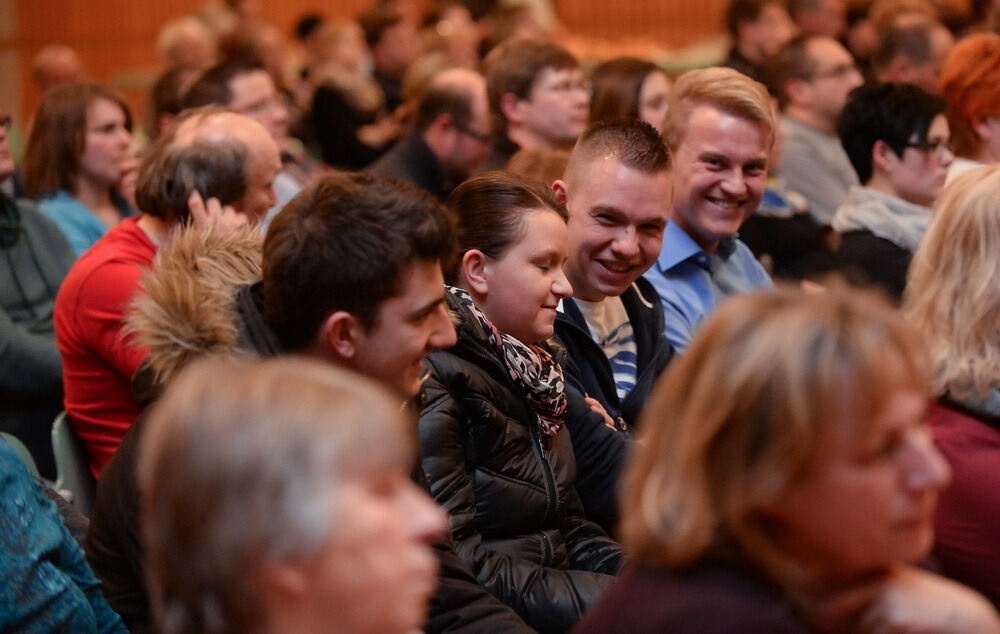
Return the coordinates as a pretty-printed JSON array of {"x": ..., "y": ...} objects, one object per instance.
[
  {"x": 812, "y": 77},
  {"x": 450, "y": 135}
]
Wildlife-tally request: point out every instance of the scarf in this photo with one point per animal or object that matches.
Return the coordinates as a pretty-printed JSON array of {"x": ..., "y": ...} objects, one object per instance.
[
  {"x": 888, "y": 217},
  {"x": 533, "y": 370}
]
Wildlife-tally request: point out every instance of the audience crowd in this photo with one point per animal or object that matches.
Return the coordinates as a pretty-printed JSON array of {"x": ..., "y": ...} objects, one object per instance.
[{"x": 432, "y": 320}]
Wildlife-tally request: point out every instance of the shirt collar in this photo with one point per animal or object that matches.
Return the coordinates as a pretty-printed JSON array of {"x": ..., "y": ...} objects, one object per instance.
[{"x": 679, "y": 247}]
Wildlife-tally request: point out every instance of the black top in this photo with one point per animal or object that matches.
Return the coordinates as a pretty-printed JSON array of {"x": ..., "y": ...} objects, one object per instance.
[
  {"x": 501, "y": 149},
  {"x": 410, "y": 159},
  {"x": 868, "y": 259},
  {"x": 335, "y": 123}
]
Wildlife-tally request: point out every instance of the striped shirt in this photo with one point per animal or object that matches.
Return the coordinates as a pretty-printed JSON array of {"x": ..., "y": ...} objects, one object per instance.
[{"x": 611, "y": 329}]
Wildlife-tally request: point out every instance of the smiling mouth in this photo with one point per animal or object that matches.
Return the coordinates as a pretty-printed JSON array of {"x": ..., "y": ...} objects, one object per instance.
[
  {"x": 618, "y": 269},
  {"x": 727, "y": 204}
]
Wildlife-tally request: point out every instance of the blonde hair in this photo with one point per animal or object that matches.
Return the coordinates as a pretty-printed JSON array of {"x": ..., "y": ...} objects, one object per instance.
[
  {"x": 952, "y": 295},
  {"x": 747, "y": 413},
  {"x": 240, "y": 467},
  {"x": 725, "y": 89}
]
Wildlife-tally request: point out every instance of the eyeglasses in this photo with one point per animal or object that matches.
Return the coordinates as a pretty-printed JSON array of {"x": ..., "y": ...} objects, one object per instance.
[
  {"x": 840, "y": 71},
  {"x": 479, "y": 136},
  {"x": 940, "y": 148}
]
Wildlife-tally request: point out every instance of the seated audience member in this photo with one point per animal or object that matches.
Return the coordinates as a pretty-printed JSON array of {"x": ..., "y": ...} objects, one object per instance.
[
  {"x": 757, "y": 28},
  {"x": 970, "y": 83},
  {"x": 616, "y": 190},
  {"x": 166, "y": 99},
  {"x": 952, "y": 298},
  {"x": 787, "y": 479},
  {"x": 493, "y": 430},
  {"x": 187, "y": 43},
  {"x": 247, "y": 89},
  {"x": 216, "y": 154},
  {"x": 449, "y": 138},
  {"x": 347, "y": 107},
  {"x": 392, "y": 39},
  {"x": 45, "y": 584},
  {"x": 629, "y": 88},
  {"x": 812, "y": 76},
  {"x": 538, "y": 98},
  {"x": 826, "y": 18},
  {"x": 896, "y": 136},
  {"x": 266, "y": 509},
  {"x": 378, "y": 317},
  {"x": 77, "y": 155},
  {"x": 56, "y": 64},
  {"x": 913, "y": 54},
  {"x": 720, "y": 129},
  {"x": 35, "y": 260}
]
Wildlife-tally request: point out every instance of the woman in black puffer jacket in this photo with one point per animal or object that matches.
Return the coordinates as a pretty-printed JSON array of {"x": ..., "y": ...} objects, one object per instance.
[{"x": 492, "y": 432}]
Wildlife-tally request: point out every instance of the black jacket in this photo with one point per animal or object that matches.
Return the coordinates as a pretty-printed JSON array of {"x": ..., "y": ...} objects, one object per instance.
[
  {"x": 233, "y": 320},
  {"x": 601, "y": 452},
  {"x": 869, "y": 259},
  {"x": 515, "y": 515},
  {"x": 411, "y": 160}
]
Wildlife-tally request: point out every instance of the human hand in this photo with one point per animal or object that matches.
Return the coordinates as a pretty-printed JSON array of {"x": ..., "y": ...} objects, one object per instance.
[
  {"x": 128, "y": 179},
  {"x": 918, "y": 602},
  {"x": 206, "y": 215},
  {"x": 595, "y": 406}
]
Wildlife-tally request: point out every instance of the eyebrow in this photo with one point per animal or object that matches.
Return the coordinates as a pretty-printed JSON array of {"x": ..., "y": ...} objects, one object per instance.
[{"x": 426, "y": 309}]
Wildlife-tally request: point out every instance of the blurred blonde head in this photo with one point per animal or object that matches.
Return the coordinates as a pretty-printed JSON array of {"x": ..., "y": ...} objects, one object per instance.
[{"x": 952, "y": 296}]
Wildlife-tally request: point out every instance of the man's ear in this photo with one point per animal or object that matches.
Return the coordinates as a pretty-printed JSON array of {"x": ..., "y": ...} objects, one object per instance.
[
  {"x": 559, "y": 189},
  {"x": 339, "y": 334},
  {"x": 474, "y": 265},
  {"x": 510, "y": 106},
  {"x": 283, "y": 580},
  {"x": 795, "y": 90}
]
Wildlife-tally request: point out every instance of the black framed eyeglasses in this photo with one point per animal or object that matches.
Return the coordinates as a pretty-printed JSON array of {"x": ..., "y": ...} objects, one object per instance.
[
  {"x": 479, "y": 136},
  {"x": 939, "y": 148}
]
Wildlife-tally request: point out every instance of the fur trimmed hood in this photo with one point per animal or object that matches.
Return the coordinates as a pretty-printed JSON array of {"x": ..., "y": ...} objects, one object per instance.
[{"x": 186, "y": 306}]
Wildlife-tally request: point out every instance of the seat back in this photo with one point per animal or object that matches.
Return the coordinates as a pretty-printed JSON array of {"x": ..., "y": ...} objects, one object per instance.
[
  {"x": 21, "y": 451},
  {"x": 73, "y": 477}
]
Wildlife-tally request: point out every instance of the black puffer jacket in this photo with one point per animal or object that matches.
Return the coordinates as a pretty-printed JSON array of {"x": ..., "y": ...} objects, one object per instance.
[{"x": 508, "y": 490}]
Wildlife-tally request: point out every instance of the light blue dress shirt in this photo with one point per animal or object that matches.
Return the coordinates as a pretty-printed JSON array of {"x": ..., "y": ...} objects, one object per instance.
[{"x": 691, "y": 283}]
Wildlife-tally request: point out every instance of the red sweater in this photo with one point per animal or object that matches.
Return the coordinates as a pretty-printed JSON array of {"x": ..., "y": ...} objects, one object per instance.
[
  {"x": 98, "y": 361},
  {"x": 967, "y": 522}
]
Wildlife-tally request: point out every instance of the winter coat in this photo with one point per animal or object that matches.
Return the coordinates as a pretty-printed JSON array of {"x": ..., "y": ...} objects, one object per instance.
[{"x": 509, "y": 490}]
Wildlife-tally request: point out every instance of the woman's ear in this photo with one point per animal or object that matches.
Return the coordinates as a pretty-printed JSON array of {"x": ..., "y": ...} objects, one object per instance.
[
  {"x": 475, "y": 270},
  {"x": 883, "y": 156}
]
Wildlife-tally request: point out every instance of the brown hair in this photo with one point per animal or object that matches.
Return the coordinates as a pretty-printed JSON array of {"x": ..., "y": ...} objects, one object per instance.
[
  {"x": 344, "y": 243},
  {"x": 513, "y": 67},
  {"x": 635, "y": 144},
  {"x": 616, "y": 87},
  {"x": 970, "y": 83},
  {"x": 52, "y": 156},
  {"x": 746, "y": 413},
  {"x": 490, "y": 210}
]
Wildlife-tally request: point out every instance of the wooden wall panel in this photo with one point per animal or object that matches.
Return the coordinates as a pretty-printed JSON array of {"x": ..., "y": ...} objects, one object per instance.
[{"x": 116, "y": 38}]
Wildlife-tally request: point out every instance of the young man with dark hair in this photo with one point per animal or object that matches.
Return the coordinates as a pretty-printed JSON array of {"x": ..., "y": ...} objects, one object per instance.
[
  {"x": 538, "y": 96},
  {"x": 617, "y": 192},
  {"x": 757, "y": 29},
  {"x": 351, "y": 274},
  {"x": 450, "y": 135},
  {"x": 720, "y": 129},
  {"x": 811, "y": 76}
]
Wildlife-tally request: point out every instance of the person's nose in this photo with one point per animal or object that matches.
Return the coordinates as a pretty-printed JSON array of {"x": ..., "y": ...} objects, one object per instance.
[
  {"x": 443, "y": 335},
  {"x": 626, "y": 243},
  {"x": 734, "y": 184},
  {"x": 561, "y": 287},
  {"x": 926, "y": 469},
  {"x": 426, "y": 520}
]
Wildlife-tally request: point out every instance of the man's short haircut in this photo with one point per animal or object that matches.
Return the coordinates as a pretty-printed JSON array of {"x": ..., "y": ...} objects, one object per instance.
[
  {"x": 912, "y": 43},
  {"x": 740, "y": 11},
  {"x": 171, "y": 170},
  {"x": 346, "y": 243},
  {"x": 439, "y": 99},
  {"x": 635, "y": 144},
  {"x": 375, "y": 21},
  {"x": 212, "y": 88},
  {"x": 891, "y": 113},
  {"x": 513, "y": 67},
  {"x": 792, "y": 61},
  {"x": 724, "y": 88}
]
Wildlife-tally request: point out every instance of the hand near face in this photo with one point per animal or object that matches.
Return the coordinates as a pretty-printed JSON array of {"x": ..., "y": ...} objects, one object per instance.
[
  {"x": 206, "y": 215},
  {"x": 130, "y": 175},
  {"x": 920, "y": 602}
]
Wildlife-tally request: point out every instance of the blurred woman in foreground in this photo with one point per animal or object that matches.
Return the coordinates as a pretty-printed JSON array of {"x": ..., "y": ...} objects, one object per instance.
[
  {"x": 788, "y": 481},
  {"x": 953, "y": 298}
]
